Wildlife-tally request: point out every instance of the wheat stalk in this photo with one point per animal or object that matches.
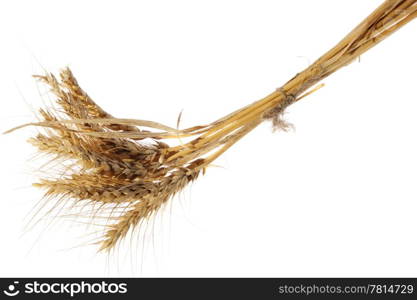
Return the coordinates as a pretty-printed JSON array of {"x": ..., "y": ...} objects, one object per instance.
[{"x": 121, "y": 173}]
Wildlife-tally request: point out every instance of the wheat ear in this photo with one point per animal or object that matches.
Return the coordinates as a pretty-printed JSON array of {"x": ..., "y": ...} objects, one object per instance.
[{"x": 128, "y": 180}]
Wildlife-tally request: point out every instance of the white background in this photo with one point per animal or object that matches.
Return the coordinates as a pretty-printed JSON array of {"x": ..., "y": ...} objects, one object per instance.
[{"x": 335, "y": 197}]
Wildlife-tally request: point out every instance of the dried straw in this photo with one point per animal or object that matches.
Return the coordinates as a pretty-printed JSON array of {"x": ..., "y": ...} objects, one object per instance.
[{"x": 117, "y": 169}]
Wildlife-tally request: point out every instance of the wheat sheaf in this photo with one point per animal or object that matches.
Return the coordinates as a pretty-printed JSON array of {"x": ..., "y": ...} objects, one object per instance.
[{"x": 125, "y": 169}]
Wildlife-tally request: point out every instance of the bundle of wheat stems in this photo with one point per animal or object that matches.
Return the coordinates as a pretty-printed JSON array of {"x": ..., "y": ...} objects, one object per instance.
[{"x": 128, "y": 173}]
